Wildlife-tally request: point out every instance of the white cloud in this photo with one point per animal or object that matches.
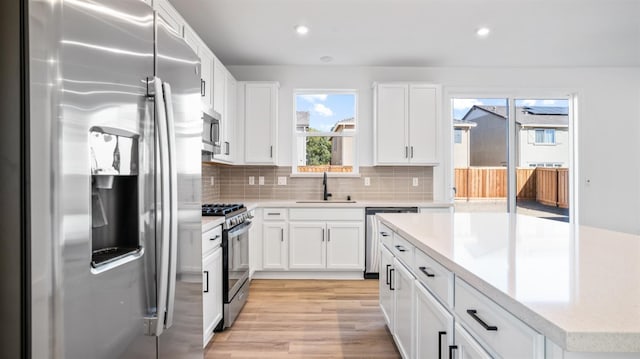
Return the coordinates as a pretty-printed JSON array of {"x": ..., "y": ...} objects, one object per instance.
[
  {"x": 465, "y": 104},
  {"x": 314, "y": 98},
  {"x": 322, "y": 110},
  {"x": 529, "y": 102},
  {"x": 549, "y": 102}
]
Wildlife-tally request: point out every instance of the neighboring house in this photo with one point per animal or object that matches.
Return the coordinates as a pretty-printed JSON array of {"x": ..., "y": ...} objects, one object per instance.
[
  {"x": 542, "y": 138},
  {"x": 302, "y": 125},
  {"x": 461, "y": 144},
  {"x": 342, "y": 147}
]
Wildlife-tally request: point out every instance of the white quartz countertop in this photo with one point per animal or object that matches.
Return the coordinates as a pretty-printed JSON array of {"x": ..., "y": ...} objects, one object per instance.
[
  {"x": 357, "y": 204},
  {"x": 578, "y": 287},
  {"x": 209, "y": 223}
]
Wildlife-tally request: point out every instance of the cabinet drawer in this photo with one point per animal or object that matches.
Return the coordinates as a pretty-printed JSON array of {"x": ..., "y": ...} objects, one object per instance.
[
  {"x": 271, "y": 214},
  {"x": 467, "y": 347},
  {"x": 435, "y": 277},
  {"x": 386, "y": 235},
  {"x": 326, "y": 214},
  {"x": 403, "y": 250},
  {"x": 502, "y": 333},
  {"x": 211, "y": 239}
]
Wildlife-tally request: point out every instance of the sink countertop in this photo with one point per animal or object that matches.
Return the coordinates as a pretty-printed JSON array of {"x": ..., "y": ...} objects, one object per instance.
[
  {"x": 578, "y": 287},
  {"x": 252, "y": 204}
]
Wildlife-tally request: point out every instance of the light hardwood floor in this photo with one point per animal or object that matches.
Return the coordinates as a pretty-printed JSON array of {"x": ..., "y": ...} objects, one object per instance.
[{"x": 307, "y": 319}]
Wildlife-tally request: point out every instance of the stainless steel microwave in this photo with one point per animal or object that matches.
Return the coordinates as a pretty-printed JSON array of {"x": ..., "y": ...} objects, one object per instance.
[{"x": 211, "y": 132}]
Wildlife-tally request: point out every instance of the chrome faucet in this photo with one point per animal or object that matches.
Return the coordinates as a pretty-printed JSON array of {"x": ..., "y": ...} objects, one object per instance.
[{"x": 325, "y": 194}]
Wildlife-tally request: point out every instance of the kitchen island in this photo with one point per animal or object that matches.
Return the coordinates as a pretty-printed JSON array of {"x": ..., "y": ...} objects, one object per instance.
[{"x": 577, "y": 286}]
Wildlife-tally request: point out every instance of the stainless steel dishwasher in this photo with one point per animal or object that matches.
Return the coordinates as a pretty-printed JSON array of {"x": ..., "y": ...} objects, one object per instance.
[{"x": 372, "y": 243}]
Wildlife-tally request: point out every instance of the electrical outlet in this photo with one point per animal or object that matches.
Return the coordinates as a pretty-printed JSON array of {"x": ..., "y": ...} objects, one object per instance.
[
  {"x": 415, "y": 181},
  {"x": 282, "y": 181},
  {"x": 261, "y": 180},
  {"x": 367, "y": 181},
  {"x": 252, "y": 180},
  {"x": 211, "y": 181}
]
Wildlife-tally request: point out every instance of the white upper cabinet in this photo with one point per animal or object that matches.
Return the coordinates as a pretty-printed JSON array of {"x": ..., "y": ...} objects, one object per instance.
[
  {"x": 229, "y": 118},
  {"x": 406, "y": 124},
  {"x": 169, "y": 16},
  {"x": 219, "y": 78},
  {"x": 206, "y": 78},
  {"x": 260, "y": 122}
]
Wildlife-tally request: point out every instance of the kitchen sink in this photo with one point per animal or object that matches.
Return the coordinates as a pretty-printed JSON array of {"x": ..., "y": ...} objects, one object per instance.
[{"x": 327, "y": 202}]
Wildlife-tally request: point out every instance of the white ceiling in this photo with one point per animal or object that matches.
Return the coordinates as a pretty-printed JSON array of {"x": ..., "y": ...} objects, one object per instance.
[{"x": 419, "y": 32}]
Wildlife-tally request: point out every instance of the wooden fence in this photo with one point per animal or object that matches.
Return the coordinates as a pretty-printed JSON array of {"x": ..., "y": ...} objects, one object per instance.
[{"x": 549, "y": 186}]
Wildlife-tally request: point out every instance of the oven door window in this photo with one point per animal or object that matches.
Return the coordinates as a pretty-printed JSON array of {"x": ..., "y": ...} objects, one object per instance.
[{"x": 238, "y": 261}]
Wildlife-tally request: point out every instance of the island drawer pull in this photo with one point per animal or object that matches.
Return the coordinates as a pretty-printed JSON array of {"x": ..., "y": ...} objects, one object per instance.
[
  {"x": 474, "y": 314},
  {"x": 424, "y": 270},
  {"x": 387, "y": 271},
  {"x": 440, "y": 334},
  {"x": 391, "y": 278},
  {"x": 384, "y": 234},
  {"x": 401, "y": 248},
  {"x": 451, "y": 349}
]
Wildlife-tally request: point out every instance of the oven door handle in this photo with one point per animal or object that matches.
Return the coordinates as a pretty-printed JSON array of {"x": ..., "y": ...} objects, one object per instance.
[{"x": 240, "y": 230}]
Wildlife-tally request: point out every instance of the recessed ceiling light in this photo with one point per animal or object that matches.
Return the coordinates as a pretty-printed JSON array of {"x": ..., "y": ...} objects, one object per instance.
[
  {"x": 326, "y": 59},
  {"x": 483, "y": 31},
  {"x": 302, "y": 30}
]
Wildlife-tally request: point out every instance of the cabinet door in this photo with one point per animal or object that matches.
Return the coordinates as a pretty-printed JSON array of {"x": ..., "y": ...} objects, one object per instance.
[
  {"x": 391, "y": 124},
  {"x": 403, "y": 286},
  {"x": 260, "y": 127},
  {"x": 307, "y": 249},
  {"x": 386, "y": 282},
  {"x": 229, "y": 119},
  {"x": 212, "y": 293},
  {"x": 169, "y": 17},
  {"x": 434, "y": 326},
  {"x": 274, "y": 245},
  {"x": 466, "y": 347},
  {"x": 192, "y": 39},
  {"x": 423, "y": 124},
  {"x": 219, "y": 78},
  {"x": 345, "y": 245},
  {"x": 206, "y": 74}
]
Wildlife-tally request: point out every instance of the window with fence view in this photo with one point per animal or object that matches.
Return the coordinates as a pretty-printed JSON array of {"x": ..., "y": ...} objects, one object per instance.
[
  {"x": 481, "y": 129},
  {"x": 325, "y": 127}
]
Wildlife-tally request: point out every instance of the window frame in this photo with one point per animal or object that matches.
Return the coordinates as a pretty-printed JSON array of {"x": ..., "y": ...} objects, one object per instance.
[
  {"x": 352, "y": 134},
  {"x": 544, "y": 136}
]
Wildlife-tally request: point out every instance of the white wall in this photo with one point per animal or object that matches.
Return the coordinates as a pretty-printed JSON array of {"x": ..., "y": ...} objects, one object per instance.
[{"x": 608, "y": 126}]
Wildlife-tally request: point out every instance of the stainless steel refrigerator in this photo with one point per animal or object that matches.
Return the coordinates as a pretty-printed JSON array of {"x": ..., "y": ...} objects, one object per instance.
[{"x": 115, "y": 136}]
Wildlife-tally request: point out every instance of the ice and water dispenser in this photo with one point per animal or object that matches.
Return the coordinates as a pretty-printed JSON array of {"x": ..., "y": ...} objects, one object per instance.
[{"x": 115, "y": 215}]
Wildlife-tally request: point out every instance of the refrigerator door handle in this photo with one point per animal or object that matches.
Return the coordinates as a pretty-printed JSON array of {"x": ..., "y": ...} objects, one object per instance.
[
  {"x": 173, "y": 205},
  {"x": 157, "y": 323}
]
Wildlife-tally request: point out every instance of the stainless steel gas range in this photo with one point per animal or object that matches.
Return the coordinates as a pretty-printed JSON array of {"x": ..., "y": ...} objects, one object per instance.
[{"x": 235, "y": 257}]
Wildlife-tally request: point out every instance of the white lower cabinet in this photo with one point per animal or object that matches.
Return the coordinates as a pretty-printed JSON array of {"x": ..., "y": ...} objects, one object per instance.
[
  {"x": 402, "y": 283},
  {"x": 307, "y": 245},
  {"x": 326, "y": 245},
  {"x": 434, "y": 326},
  {"x": 345, "y": 245},
  {"x": 274, "y": 245},
  {"x": 466, "y": 347},
  {"x": 212, "y": 293},
  {"x": 386, "y": 294}
]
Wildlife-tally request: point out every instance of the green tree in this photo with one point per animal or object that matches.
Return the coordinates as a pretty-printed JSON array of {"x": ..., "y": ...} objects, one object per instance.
[{"x": 318, "y": 150}]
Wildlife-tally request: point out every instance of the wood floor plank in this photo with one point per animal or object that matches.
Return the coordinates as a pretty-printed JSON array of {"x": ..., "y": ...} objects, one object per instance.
[{"x": 308, "y": 319}]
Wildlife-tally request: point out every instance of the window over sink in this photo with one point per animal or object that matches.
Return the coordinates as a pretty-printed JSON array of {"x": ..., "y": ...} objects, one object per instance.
[{"x": 325, "y": 131}]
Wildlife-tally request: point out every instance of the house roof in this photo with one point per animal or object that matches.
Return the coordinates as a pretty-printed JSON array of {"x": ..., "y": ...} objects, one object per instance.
[
  {"x": 461, "y": 123},
  {"x": 343, "y": 123},
  {"x": 526, "y": 116}
]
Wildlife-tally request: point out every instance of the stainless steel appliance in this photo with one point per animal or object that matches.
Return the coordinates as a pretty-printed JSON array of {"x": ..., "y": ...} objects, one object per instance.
[
  {"x": 372, "y": 243},
  {"x": 211, "y": 133},
  {"x": 235, "y": 257},
  {"x": 116, "y": 175}
]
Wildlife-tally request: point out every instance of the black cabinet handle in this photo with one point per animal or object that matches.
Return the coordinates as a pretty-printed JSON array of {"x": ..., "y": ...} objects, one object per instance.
[
  {"x": 401, "y": 248},
  {"x": 406, "y": 151},
  {"x": 391, "y": 278},
  {"x": 215, "y": 237},
  {"x": 424, "y": 270},
  {"x": 203, "y": 87},
  {"x": 474, "y": 314},
  {"x": 387, "y": 271},
  {"x": 207, "y": 281},
  {"x": 451, "y": 349},
  {"x": 440, "y": 334},
  {"x": 384, "y": 234},
  {"x": 411, "y": 151}
]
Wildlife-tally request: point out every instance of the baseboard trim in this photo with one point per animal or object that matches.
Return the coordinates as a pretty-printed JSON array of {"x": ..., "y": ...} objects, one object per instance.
[{"x": 308, "y": 275}]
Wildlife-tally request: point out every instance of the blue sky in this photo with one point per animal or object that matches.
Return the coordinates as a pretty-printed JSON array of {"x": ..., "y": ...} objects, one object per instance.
[
  {"x": 326, "y": 109},
  {"x": 461, "y": 106}
]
